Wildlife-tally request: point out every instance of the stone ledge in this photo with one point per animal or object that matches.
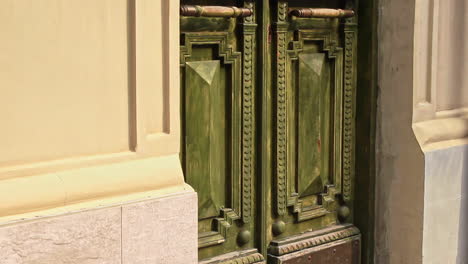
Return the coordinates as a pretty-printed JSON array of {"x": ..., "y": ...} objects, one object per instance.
[
  {"x": 105, "y": 184},
  {"x": 448, "y": 129}
]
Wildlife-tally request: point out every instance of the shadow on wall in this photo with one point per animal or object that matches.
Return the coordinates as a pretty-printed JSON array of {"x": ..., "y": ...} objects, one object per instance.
[{"x": 462, "y": 256}]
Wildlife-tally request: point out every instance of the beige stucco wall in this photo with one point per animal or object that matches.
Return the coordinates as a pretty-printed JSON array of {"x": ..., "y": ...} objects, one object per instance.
[
  {"x": 90, "y": 101},
  {"x": 89, "y": 164}
]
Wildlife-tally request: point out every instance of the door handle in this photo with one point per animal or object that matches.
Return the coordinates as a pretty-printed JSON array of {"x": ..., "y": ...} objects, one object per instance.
[
  {"x": 321, "y": 13},
  {"x": 214, "y": 11}
]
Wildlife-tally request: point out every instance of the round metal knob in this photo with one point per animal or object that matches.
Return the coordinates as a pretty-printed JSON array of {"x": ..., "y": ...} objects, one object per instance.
[
  {"x": 244, "y": 237},
  {"x": 278, "y": 228},
  {"x": 343, "y": 213}
]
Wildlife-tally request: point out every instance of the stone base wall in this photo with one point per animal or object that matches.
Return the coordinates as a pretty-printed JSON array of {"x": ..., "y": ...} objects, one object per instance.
[
  {"x": 445, "y": 206},
  {"x": 157, "y": 230}
]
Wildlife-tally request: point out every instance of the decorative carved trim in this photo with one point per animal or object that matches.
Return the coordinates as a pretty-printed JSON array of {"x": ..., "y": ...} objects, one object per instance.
[
  {"x": 344, "y": 251},
  {"x": 322, "y": 13},
  {"x": 326, "y": 198},
  {"x": 229, "y": 56},
  {"x": 310, "y": 212},
  {"x": 330, "y": 45},
  {"x": 221, "y": 39},
  {"x": 228, "y": 216},
  {"x": 281, "y": 115},
  {"x": 214, "y": 11},
  {"x": 250, "y": 19},
  {"x": 256, "y": 258},
  {"x": 348, "y": 108},
  {"x": 248, "y": 104},
  {"x": 282, "y": 11},
  {"x": 249, "y": 256},
  {"x": 333, "y": 51},
  {"x": 209, "y": 239},
  {"x": 312, "y": 239}
]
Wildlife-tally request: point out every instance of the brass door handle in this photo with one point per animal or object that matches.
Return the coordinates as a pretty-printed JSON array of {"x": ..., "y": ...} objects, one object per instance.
[
  {"x": 321, "y": 13},
  {"x": 214, "y": 11}
]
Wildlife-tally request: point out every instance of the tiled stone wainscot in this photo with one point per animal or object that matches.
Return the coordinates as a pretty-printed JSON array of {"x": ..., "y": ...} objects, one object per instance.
[{"x": 160, "y": 230}]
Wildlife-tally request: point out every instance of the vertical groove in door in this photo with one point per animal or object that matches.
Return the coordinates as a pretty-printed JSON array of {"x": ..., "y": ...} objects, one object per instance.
[{"x": 264, "y": 89}]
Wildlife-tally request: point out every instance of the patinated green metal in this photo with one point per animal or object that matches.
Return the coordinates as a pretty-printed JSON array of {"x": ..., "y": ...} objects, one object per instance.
[
  {"x": 218, "y": 146},
  {"x": 269, "y": 146},
  {"x": 314, "y": 87}
]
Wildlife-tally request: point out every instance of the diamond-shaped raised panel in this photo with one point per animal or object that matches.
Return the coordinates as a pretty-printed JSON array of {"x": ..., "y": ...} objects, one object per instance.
[
  {"x": 313, "y": 81},
  {"x": 206, "y": 138}
]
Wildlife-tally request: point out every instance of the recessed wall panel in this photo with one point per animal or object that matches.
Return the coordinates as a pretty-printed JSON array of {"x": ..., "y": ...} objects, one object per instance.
[
  {"x": 64, "y": 79},
  {"x": 452, "y": 70}
]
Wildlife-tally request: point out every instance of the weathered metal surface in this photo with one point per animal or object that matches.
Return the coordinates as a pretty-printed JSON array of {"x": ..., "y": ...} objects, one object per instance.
[
  {"x": 214, "y": 11},
  {"x": 306, "y": 89},
  {"x": 312, "y": 239},
  {"x": 322, "y": 13},
  {"x": 341, "y": 252},
  {"x": 250, "y": 256},
  {"x": 218, "y": 145},
  {"x": 314, "y": 94},
  {"x": 207, "y": 24},
  {"x": 334, "y": 245}
]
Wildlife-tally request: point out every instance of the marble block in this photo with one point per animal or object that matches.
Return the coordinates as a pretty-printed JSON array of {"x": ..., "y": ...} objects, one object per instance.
[
  {"x": 91, "y": 237},
  {"x": 445, "y": 206},
  {"x": 156, "y": 230},
  {"x": 160, "y": 231}
]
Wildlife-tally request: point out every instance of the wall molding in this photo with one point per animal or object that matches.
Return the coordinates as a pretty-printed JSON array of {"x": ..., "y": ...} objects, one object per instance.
[
  {"x": 426, "y": 44},
  {"x": 448, "y": 126},
  {"x": 434, "y": 88},
  {"x": 45, "y": 191}
]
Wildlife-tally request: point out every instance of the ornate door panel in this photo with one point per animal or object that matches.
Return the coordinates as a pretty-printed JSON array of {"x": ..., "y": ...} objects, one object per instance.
[
  {"x": 314, "y": 54},
  {"x": 218, "y": 155},
  {"x": 292, "y": 199}
]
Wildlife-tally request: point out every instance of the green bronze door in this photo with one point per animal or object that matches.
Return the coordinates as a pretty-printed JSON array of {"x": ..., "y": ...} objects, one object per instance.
[
  {"x": 218, "y": 155},
  {"x": 314, "y": 87},
  {"x": 267, "y": 98}
]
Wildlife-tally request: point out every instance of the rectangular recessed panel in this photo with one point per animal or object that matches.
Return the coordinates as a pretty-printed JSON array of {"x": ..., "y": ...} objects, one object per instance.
[
  {"x": 64, "y": 79},
  {"x": 153, "y": 62}
]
